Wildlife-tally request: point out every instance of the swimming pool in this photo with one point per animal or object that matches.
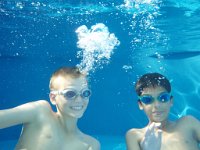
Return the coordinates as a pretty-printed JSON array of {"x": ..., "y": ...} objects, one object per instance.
[{"x": 149, "y": 36}]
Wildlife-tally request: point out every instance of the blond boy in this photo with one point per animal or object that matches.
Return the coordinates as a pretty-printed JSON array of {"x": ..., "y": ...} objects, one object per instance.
[{"x": 44, "y": 129}]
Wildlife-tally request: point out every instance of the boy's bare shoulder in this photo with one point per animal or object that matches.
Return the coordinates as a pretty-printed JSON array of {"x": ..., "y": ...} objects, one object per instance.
[
  {"x": 186, "y": 119},
  {"x": 42, "y": 105},
  {"x": 94, "y": 143},
  {"x": 135, "y": 133},
  {"x": 133, "y": 138},
  {"x": 40, "y": 109},
  {"x": 39, "y": 106}
]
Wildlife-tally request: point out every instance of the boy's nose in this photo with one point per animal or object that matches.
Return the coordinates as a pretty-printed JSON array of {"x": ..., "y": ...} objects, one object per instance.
[
  {"x": 78, "y": 98},
  {"x": 156, "y": 103}
]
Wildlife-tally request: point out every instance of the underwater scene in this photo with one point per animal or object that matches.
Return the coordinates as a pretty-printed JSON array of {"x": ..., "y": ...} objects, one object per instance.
[{"x": 116, "y": 42}]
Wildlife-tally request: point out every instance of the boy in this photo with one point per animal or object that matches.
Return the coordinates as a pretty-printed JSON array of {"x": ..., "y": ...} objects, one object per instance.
[
  {"x": 44, "y": 129},
  {"x": 154, "y": 93}
]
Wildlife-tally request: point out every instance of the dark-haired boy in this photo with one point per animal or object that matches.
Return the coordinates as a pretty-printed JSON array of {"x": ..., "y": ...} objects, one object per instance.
[
  {"x": 44, "y": 129},
  {"x": 154, "y": 94}
]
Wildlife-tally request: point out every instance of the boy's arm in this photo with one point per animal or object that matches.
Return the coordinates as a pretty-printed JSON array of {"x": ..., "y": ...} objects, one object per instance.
[
  {"x": 195, "y": 125},
  {"x": 132, "y": 140},
  {"x": 25, "y": 113}
]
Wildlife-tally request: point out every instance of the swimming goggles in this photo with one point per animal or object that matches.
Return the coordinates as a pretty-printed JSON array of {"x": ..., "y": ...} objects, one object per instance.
[
  {"x": 71, "y": 94},
  {"x": 148, "y": 99}
]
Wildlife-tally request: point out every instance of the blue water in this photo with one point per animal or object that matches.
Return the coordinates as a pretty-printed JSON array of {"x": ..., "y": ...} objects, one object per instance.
[{"x": 37, "y": 37}]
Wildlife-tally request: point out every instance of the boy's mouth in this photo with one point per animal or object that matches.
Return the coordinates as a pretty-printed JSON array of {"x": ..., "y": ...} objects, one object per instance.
[
  {"x": 158, "y": 112},
  {"x": 76, "y": 108}
]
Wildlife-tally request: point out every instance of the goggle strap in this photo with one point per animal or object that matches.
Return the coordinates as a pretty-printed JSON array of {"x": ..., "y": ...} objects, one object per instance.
[{"x": 55, "y": 92}]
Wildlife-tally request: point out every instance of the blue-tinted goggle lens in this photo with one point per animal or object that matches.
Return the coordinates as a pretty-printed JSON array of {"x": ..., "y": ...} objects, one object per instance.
[
  {"x": 148, "y": 99},
  {"x": 71, "y": 94},
  {"x": 164, "y": 97},
  {"x": 86, "y": 93}
]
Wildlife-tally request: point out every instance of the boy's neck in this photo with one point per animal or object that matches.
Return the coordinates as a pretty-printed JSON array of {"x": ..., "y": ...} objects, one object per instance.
[
  {"x": 165, "y": 125},
  {"x": 68, "y": 123}
]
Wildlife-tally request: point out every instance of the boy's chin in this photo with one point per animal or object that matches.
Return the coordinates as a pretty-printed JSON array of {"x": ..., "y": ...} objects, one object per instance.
[
  {"x": 76, "y": 115},
  {"x": 158, "y": 120}
]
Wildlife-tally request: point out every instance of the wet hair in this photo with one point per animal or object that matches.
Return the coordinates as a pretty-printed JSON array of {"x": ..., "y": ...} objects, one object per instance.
[
  {"x": 73, "y": 72},
  {"x": 150, "y": 80}
]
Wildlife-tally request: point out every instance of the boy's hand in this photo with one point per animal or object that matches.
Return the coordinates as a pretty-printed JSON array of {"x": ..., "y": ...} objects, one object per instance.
[{"x": 152, "y": 138}]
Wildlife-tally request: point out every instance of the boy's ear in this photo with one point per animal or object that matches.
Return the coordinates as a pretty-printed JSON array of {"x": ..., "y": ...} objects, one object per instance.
[
  {"x": 52, "y": 98},
  {"x": 140, "y": 105}
]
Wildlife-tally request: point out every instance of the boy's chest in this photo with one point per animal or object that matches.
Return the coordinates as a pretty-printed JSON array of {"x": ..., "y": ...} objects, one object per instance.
[
  {"x": 50, "y": 137},
  {"x": 179, "y": 141},
  {"x": 61, "y": 140}
]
